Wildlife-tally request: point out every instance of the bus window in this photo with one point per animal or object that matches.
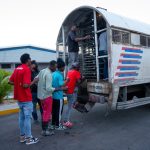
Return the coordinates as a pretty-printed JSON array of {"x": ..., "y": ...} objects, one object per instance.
[
  {"x": 135, "y": 39},
  {"x": 143, "y": 40},
  {"x": 125, "y": 38},
  {"x": 116, "y": 36},
  {"x": 148, "y": 41}
]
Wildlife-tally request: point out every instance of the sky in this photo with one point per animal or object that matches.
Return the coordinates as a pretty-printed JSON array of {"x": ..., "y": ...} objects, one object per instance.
[{"x": 37, "y": 22}]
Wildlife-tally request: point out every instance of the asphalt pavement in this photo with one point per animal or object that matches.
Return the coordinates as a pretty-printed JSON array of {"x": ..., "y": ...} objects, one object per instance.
[{"x": 121, "y": 130}]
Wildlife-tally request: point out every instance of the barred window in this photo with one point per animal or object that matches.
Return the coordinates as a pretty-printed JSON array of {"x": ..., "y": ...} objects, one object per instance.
[
  {"x": 125, "y": 38},
  {"x": 143, "y": 40},
  {"x": 116, "y": 36},
  {"x": 121, "y": 37},
  {"x": 148, "y": 41}
]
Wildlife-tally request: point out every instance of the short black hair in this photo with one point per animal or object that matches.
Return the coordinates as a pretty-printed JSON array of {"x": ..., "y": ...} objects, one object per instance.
[
  {"x": 52, "y": 63},
  {"x": 36, "y": 65},
  {"x": 60, "y": 63},
  {"x": 24, "y": 58}
]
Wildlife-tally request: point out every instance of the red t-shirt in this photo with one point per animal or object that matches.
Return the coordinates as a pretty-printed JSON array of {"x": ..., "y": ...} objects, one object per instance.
[
  {"x": 73, "y": 76},
  {"x": 21, "y": 76}
]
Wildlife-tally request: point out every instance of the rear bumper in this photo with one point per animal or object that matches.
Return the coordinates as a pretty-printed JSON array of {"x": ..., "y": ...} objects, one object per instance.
[{"x": 133, "y": 103}]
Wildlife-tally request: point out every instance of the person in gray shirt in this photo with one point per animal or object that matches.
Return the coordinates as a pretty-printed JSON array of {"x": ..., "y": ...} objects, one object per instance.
[{"x": 45, "y": 90}]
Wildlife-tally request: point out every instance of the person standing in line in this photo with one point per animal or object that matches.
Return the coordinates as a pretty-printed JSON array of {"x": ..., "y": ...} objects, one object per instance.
[
  {"x": 73, "y": 78},
  {"x": 73, "y": 46},
  {"x": 21, "y": 79},
  {"x": 45, "y": 91},
  {"x": 35, "y": 100},
  {"x": 58, "y": 82}
]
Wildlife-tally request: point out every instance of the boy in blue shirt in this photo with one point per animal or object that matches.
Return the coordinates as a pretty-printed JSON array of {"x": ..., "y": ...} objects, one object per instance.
[{"x": 57, "y": 82}]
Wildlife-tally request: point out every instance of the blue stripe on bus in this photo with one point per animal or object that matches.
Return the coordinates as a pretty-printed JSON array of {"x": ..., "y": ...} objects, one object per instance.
[
  {"x": 133, "y": 51},
  {"x": 130, "y": 62},
  {"x": 130, "y": 68},
  {"x": 128, "y": 75},
  {"x": 128, "y": 56}
]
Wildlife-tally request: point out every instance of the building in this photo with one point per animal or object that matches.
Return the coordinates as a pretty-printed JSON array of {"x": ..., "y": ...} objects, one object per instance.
[{"x": 10, "y": 57}]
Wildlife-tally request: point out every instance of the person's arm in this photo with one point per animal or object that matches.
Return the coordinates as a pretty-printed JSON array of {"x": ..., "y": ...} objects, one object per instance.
[
  {"x": 61, "y": 83},
  {"x": 11, "y": 79},
  {"x": 66, "y": 81},
  {"x": 48, "y": 81},
  {"x": 80, "y": 78},
  {"x": 82, "y": 38},
  {"x": 10, "y": 82},
  {"x": 78, "y": 39},
  {"x": 35, "y": 80}
]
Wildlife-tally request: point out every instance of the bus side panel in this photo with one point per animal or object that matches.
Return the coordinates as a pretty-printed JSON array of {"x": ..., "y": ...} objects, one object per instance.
[{"x": 130, "y": 65}]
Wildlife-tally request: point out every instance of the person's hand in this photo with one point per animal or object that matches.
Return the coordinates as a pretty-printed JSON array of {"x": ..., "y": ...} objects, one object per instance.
[
  {"x": 41, "y": 101},
  {"x": 67, "y": 80},
  {"x": 87, "y": 37},
  {"x": 83, "y": 78},
  {"x": 65, "y": 88}
]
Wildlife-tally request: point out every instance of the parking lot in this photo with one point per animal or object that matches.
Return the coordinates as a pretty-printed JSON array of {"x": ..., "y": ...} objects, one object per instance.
[{"x": 121, "y": 130}]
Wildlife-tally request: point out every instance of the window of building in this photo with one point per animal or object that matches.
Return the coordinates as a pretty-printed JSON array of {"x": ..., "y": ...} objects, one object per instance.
[
  {"x": 5, "y": 66},
  {"x": 143, "y": 40},
  {"x": 16, "y": 65}
]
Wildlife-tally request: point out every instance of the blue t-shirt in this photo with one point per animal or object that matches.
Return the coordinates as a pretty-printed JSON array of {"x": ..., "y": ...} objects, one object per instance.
[{"x": 57, "y": 81}]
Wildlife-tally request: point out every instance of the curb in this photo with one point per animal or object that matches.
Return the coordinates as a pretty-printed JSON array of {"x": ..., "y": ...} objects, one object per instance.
[
  {"x": 9, "y": 111},
  {"x": 15, "y": 110}
]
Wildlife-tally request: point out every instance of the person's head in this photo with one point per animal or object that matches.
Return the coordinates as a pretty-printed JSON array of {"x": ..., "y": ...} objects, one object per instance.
[
  {"x": 34, "y": 66},
  {"x": 76, "y": 66},
  {"x": 60, "y": 64},
  {"x": 53, "y": 65},
  {"x": 74, "y": 28},
  {"x": 25, "y": 59}
]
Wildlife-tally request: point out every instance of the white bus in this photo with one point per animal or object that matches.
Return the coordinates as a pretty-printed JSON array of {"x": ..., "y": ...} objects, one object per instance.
[{"x": 120, "y": 74}]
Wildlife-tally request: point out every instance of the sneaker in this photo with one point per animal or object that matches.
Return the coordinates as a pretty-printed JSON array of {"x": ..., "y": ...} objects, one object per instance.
[
  {"x": 47, "y": 133},
  {"x": 22, "y": 139},
  {"x": 51, "y": 127},
  {"x": 68, "y": 124},
  {"x": 31, "y": 140},
  {"x": 60, "y": 127}
]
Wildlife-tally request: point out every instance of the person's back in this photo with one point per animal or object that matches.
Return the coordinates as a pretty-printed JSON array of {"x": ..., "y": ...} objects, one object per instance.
[
  {"x": 72, "y": 44},
  {"x": 44, "y": 84},
  {"x": 22, "y": 75},
  {"x": 73, "y": 75},
  {"x": 58, "y": 81}
]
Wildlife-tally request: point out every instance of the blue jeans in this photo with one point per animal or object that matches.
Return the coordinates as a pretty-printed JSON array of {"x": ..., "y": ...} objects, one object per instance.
[
  {"x": 25, "y": 114},
  {"x": 71, "y": 98}
]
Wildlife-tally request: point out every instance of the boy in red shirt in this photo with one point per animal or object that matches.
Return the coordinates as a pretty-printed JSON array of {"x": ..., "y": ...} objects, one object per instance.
[
  {"x": 73, "y": 78},
  {"x": 21, "y": 79}
]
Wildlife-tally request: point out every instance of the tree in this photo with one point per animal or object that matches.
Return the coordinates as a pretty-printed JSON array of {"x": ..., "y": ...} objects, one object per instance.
[{"x": 5, "y": 88}]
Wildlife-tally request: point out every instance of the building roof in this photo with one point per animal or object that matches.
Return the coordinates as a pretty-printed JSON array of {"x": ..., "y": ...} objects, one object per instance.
[
  {"x": 25, "y": 47},
  {"x": 12, "y": 54},
  {"x": 115, "y": 20}
]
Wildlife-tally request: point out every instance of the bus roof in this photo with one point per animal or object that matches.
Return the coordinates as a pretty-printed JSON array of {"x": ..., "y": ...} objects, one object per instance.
[{"x": 124, "y": 22}]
